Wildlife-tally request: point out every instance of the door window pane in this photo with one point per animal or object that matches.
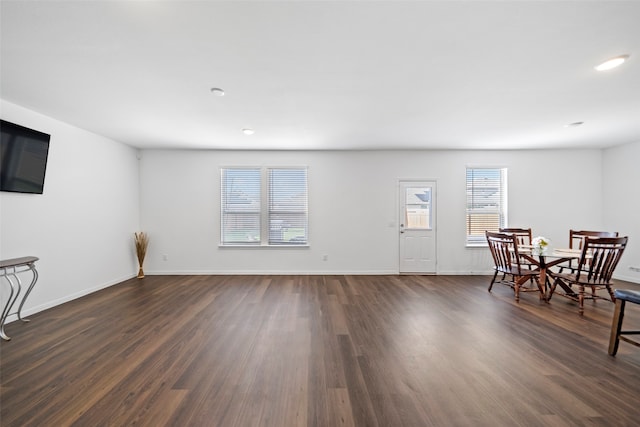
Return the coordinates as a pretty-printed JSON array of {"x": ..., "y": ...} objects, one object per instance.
[{"x": 418, "y": 208}]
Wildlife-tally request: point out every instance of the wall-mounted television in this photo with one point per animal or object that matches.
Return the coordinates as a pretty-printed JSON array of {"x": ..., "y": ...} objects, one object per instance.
[{"x": 23, "y": 158}]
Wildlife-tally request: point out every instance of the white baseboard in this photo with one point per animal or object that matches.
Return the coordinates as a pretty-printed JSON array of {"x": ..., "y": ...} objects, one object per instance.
[
  {"x": 267, "y": 273},
  {"x": 49, "y": 304},
  {"x": 626, "y": 278},
  {"x": 466, "y": 273}
]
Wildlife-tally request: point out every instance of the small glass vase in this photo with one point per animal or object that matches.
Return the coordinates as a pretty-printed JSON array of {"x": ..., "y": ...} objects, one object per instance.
[{"x": 540, "y": 250}]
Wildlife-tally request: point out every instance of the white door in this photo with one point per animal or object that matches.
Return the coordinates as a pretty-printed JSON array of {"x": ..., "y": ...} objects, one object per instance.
[{"x": 417, "y": 227}]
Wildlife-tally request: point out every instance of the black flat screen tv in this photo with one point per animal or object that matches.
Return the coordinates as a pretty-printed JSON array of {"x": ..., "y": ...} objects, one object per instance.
[{"x": 23, "y": 158}]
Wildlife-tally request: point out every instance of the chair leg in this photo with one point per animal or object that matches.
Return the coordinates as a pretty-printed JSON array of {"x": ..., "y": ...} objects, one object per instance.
[
  {"x": 541, "y": 289},
  {"x": 493, "y": 280},
  {"x": 581, "y": 300},
  {"x": 552, "y": 289},
  {"x": 613, "y": 298},
  {"x": 616, "y": 327}
]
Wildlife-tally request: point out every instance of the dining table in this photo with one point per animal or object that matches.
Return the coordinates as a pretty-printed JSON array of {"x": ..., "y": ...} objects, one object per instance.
[{"x": 546, "y": 258}]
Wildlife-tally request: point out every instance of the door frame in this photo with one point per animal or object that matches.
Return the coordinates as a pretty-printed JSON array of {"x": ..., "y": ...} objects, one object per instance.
[{"x": 400, "y": 213}]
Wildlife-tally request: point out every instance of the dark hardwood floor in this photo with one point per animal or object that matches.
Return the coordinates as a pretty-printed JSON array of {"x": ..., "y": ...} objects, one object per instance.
[{"x": 318, "y": 351}]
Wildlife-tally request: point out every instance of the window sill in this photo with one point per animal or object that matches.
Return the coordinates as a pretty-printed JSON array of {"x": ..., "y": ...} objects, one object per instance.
[
  {"x": 477, "y": 245},
  {"x": 262, "y": 246}
]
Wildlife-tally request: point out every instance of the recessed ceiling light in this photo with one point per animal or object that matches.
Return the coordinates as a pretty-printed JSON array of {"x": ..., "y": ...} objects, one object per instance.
[
  {"x": 217, "y": 91},
  {"x": 248, "y": 131},
  {"x": 574, "y": 124},
  {"x": 612, "y": 63}
]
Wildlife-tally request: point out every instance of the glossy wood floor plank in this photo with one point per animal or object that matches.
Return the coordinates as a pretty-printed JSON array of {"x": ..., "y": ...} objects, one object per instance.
[{"x": 318, "y": 351}]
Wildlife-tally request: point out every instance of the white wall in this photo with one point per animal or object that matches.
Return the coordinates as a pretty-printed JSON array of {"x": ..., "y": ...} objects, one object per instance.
[
  {"x": 97, "y": 194},
  {"x": 82, "y": 227},
  {"x": 621, "y": 203},
  {"x": 353, "y": 207}
]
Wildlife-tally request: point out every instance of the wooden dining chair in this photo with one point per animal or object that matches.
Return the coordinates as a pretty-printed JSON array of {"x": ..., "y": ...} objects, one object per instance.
[
  {"x": 598, "y": 260},
  {"x": 523, "y": 235},
  {"x": 507, "y": 261},
  {"x": 576, "y": 237},
  {"x": 617, "y": 333},
  {"x": 576, "y": 241}
]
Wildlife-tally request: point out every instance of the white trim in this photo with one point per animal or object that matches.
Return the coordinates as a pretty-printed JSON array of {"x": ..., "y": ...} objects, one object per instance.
[
  {"x": 626, "y": 278},
  {"x": 270, "y": 272},
  {"x": 50, "y": 304},
  {"x": 466, "y": 273},
  {"x": 260, "y": 246}
]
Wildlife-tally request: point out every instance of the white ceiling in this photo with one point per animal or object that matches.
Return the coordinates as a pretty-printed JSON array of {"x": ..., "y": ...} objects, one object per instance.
[{"x": 328, "y": 74}]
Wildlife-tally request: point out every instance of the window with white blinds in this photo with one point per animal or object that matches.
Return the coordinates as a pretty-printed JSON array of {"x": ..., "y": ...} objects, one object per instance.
[
  {"x": 263, "y": 206},
  {"x": 287, "y": 206},
  {"x": 486, "y": 202},
  {"x": 241, "y": 195}
]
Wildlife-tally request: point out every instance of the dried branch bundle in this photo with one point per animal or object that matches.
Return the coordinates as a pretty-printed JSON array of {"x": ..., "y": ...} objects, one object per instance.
[{"x": 142, "y": 241}]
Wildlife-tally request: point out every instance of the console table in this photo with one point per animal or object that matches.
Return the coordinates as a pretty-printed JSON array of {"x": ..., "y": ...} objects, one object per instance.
[{"x": 9, "y": 269}]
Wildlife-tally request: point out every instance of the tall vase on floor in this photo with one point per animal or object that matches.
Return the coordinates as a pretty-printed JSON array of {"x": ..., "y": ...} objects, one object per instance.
[{"x": 142, "y": 241}]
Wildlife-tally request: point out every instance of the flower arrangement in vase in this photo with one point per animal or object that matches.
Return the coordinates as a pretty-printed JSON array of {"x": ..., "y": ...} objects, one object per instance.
[
  {"x": 142, "y": 241},
  {"x": 540, "y": 243}
]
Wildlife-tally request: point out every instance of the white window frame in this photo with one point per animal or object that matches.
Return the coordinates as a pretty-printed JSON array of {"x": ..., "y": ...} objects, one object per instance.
[
  {"x": 265, "y": 209},
  {"x": 494, "y": 204}
]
